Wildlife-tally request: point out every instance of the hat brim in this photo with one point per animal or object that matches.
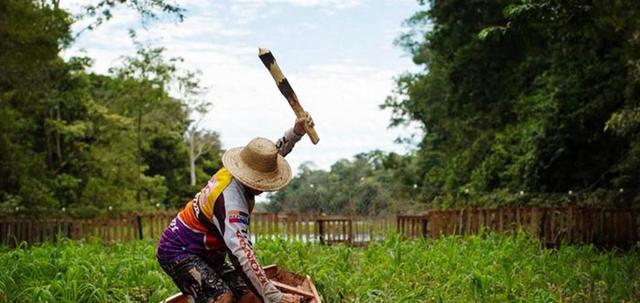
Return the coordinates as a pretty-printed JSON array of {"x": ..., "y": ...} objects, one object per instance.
[{"x": 272, "y": 181}]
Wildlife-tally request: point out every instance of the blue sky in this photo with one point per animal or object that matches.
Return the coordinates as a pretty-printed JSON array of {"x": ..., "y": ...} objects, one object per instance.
[{"x": 338, "y": 55}]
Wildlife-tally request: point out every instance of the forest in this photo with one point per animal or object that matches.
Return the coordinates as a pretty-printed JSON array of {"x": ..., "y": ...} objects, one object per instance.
[
  {"x": 82, "y": 144},
  {"x": 520, "y": 102}
]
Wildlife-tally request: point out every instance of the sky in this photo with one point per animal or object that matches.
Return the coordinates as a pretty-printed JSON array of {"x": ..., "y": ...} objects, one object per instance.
[{"x": 338, "y": 56}]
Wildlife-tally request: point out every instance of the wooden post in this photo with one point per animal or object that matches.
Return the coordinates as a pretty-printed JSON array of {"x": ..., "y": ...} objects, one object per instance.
[
  {"x": 140, "y": 232},
  {"x": 30, "y": 233},
  {"x": 320, "y": 227},
  {"x": 3, "y": 237},
  {"x": 424, "y": 226},
  {"x": 350, "y": 235}
]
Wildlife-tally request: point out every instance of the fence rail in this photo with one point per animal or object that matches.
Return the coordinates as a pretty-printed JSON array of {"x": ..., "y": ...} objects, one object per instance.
[
  {"x": 553, "y": 225},
  {"x": 15, "y": 231},
  {"x": 300, "y": 227},
  {"x": 321, "y": 229}
]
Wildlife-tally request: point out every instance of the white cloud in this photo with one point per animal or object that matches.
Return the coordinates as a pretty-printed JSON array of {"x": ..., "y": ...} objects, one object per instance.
[
  {"x": 342, "y": 96},
  {"x": 247, "y": 11},
  {"x": 343, "y": 100},
  {"x": 196, "y": 28},
  {"x": 339, "y": 4}
]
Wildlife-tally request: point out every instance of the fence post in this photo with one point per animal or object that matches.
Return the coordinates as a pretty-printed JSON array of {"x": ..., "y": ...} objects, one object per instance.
[
  {"x": 140, "y": 233},
  {"x": 320, "y": 225},
  {"x": 424, "y": 226},
  {"x": 350, "y": 227}
]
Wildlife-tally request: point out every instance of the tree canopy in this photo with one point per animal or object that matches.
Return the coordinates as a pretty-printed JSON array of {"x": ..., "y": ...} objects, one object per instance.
[
  {"x": 534, "y": 96},
  {"x": 373, "y": 183},
  {"x": 84, "y": 143}
]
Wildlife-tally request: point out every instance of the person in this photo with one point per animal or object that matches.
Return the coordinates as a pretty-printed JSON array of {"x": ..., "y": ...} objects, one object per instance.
[{"x": 215, "y": 224}]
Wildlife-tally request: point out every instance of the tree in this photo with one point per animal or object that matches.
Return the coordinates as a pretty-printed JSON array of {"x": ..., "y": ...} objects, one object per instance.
[
  {"x": 201, "y": 142},
  {"x": 82, "y": 142},
  {"x": 515, "y": 95},
  {"x": 34, "y": 80},
  {"x": 372, "y": 183},
  {"x": 100, "y": 11}
]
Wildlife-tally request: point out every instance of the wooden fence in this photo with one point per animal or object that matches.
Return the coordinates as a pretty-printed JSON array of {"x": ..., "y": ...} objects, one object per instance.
[
  {"x": 15, "y": 231},
  {"x": 553, "y": 225},
  {"x": 301, "y": 227},
  {"x": 321, "y": 229}
]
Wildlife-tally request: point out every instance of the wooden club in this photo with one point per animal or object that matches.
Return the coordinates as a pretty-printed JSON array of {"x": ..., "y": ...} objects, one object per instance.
[{"x": 285, "y": 88}]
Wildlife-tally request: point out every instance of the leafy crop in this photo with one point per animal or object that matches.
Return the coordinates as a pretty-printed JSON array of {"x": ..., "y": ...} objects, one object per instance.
[
  {"x": 83, "y": 272},
  {"x": 486, "y": 268}
]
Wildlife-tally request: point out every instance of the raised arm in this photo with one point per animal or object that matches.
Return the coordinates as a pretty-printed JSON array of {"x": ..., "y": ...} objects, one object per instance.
[{"x": 286, "y": 143}]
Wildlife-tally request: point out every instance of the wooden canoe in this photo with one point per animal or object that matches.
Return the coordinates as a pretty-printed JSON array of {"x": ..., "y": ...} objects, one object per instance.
[{"x": 286, "y": 281}]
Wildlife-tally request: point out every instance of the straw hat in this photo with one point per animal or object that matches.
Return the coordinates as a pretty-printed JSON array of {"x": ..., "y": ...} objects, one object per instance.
[{"x": 258, "y": 165}]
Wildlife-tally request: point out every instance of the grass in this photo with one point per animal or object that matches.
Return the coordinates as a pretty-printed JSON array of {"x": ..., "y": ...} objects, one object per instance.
[
  {"x": 489, "y": 268},
  {"x": 83, "y": 272}
]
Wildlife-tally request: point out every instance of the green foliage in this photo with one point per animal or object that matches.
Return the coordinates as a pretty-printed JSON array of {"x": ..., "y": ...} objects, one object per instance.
[
  {"x": 32, "y": 84},
  {"x": 99, "y": 12},
  {"x": 83, "y": 272},
  {"x": 539, "y": 96},
  {"x": 372, "y": 183},
  {"x": 486, "y": 268},
  {"x": 86, "y": 142}
]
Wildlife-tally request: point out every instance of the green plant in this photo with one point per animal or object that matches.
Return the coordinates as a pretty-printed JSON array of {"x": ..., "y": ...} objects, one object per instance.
[{"x": 483, "y": 268}]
